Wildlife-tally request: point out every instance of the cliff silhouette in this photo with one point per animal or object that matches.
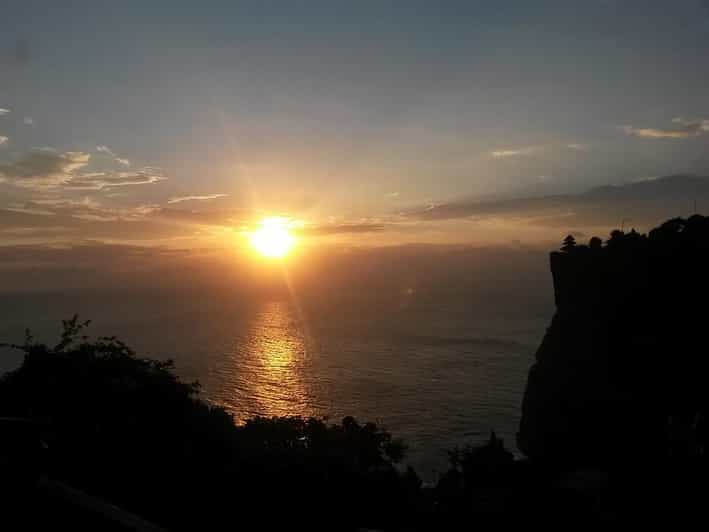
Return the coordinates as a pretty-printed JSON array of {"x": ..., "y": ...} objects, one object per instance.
[{"x": 620, "y": 374}]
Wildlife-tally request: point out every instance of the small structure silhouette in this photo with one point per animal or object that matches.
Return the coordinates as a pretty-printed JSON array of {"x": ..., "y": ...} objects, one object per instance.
[{"x": 568, "y": 244}]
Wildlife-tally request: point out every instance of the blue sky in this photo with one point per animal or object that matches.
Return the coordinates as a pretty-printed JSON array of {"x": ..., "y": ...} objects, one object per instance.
[{"x": 338, "y": 113}]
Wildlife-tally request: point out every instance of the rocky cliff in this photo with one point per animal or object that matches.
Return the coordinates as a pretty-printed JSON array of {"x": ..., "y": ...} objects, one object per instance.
[{"x": 621, "y": 371}]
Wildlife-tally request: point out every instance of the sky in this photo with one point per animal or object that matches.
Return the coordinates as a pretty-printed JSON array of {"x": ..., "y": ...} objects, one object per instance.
[{"x": 179, "y": 124}]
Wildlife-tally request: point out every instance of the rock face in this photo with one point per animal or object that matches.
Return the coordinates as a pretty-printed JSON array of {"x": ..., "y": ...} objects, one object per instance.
[{"x": 621, "y": 370}]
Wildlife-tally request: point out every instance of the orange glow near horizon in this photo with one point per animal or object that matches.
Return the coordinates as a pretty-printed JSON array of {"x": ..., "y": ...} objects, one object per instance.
[{"x": 273, "y": 238}]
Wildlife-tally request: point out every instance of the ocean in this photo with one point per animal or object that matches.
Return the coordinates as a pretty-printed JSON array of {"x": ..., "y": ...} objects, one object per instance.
[{"x": 437, "y": 373}]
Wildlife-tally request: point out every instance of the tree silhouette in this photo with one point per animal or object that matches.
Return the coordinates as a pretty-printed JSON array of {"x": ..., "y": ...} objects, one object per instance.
[
  {"x": 128, "y": 429},
  {"x": 616, "y": 237},
  {"x": 568, "y": 244}
]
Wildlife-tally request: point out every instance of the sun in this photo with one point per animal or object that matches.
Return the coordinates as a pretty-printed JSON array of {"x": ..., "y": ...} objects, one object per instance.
[{"x": 273, "y": 239}]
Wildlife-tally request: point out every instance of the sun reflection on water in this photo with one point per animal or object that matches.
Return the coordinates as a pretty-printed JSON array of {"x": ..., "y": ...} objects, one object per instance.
[{"x": 272, "y": 366}]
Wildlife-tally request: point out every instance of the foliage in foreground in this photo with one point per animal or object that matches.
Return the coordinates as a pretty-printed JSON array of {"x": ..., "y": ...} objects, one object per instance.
[{"x": 128, "y": 429}]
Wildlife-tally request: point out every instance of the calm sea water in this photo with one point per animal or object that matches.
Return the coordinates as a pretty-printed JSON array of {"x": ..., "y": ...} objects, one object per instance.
[{"x": 437, "y": 375}]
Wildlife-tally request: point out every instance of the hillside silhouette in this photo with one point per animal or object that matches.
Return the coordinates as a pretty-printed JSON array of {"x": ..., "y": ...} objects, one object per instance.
[
  {"x": 128, "y": 430},
  {"x": 614, "y": 425}
]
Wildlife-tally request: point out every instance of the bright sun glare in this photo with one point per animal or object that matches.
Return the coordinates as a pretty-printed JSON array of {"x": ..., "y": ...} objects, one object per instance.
[{"x": 273, "y": 238}]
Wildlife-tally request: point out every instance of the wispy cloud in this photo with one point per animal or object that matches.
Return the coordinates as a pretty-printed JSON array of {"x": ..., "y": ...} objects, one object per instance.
[
  {"x": 36, "y": 231},
  {"x": 516, "y": 152},
  {"x": 3, "y": 139},
  {"x": 28, "y": 121},
  {"x": 103, "y": 214},
  {"x": 86, "y": 209},
  {"x": 44, "y": 168},
  {"x": 681, "y": 130},
  {"x": 577, "y": 147},
  {"x": 112, "y": 154},
  {"x": 205, "y": 197},
  {"x": 107, "y": 180},
  {"x": 28, "y": 208},
  {"x": 345, "y": 228},
  {"x": 3, "y": 111}
]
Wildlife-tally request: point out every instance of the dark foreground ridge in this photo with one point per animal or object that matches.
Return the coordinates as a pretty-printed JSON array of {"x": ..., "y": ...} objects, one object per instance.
[{"x": 614, "y": 426}]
